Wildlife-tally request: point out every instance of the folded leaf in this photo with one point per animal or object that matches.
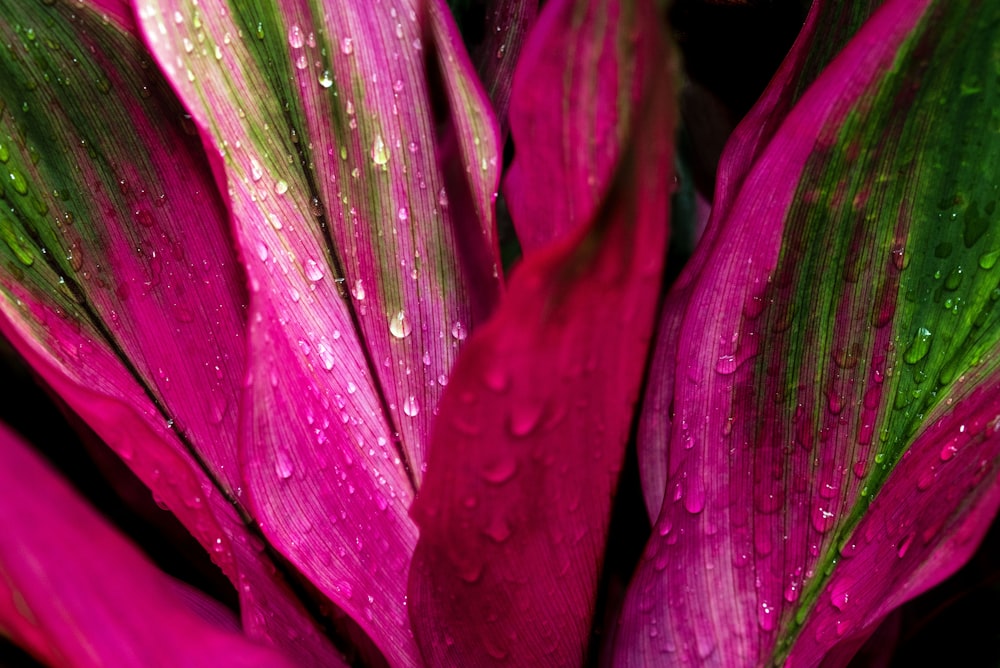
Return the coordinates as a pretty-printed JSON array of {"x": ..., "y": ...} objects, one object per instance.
[
  {"x": 118, "y": 282},
  {"x": 834, "y": 447},
  {"x": 828, "y": 27},
  {"x": 74, "y": 592},
  {"x": 532, "y": 427},
  {"x": 359, "y": 299},
  {"x": 570, "y": 118}
]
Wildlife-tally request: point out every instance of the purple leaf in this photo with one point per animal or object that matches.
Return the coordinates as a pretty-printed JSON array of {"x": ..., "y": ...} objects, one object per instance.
[
  {"x": 530, "y": 436},
  {"x": 74, "y": 592},
  {"x": 833, "y": 449}
]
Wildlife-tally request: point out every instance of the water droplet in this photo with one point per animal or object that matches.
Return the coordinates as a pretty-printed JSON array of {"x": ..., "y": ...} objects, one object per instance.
[
  {"x": 919, "y": 347},
  {"x": 314, "y": 271},
  {"x": 403, "y": 214},
  {"x": 497, "y": 530},
  {"x": 380, "y": 152},
  {"x": 283, "y": 464},
  {"x": 726, "y": 364},
  {"x": 347, "y": 46},
  {"x": 525, "y": 417},
  {"x": 325, "y": 354},
  {"x": 295, "y": 37},
  {"x": 443, "y": 198},
  {"x": 499, "y": 471},
  {"x": 261, "y": 251},
  {"x": 280, "y": 187},
  {"x": 765, "y": 616},
  {"x": 954, "y": 279},
  {"x": 989, "y": 260},
  {"x": 823, "y": 517},
  {"x": 18, "y": 182},
  {"x": 359, "y": 290},
  {"x": 256, "y": 173},
  {"x": 904, "y": 545},
  {"x": 325, "y": 79},
  {"x": 399, "y": 325},
  {"x": 458, "y": 331},
  {"x": 410, "y": 406}
]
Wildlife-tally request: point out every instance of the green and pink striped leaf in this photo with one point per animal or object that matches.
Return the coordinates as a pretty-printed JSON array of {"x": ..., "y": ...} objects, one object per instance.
[
  {"x": 118, "y": 282},
  {"x": 827, "y": 29},
  {"x": 531, "y": 432},
  {"x": 833, "y": 448},
  {"x": 349, "y": 201}
]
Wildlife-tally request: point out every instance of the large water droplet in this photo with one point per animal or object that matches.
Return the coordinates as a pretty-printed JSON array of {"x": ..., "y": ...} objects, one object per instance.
[
  {"x": 399, "y": 325},
  {"x": 283, "y": 464},
  {"x": 525, "y": 417},
  {"x": 410, "y": 406},
  {"x": 380, "y": 152},
  {"x": 499, "y": 471},
  {"x": 919, "y": 347},
  {"x": 314, "y": 271},
  {"x": 765, "y": 616},
  {"x": 325, "y": 79},
  {"x": 295, "y": 37}
]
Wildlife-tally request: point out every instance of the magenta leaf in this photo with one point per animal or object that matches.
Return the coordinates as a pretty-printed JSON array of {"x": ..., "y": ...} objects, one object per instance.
[
  {"x": 563, "y": 161},
  {"x": 74, "y": 592},
  {"x": 359, "y": 302},
  {"x": 118, "y": 283},
  {"x": 531, "y": 431},
  {"x": 828, "y": 27},
  {"x": 833, "y": 443}
]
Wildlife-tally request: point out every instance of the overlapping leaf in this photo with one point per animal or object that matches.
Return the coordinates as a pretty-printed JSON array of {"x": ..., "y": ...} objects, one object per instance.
[
  {"x": 359, "y": 301},
  {"x": 117, "y": 279},
  {"x": 834, "y": 447},
  {"x": 532, "y": 427},
  {"x": 74, "y": 592}
]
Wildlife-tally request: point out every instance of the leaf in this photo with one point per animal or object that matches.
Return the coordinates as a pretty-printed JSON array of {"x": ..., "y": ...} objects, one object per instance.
[
  {"x": 359, "y": 298},
  {"x": 74, "y": 592},
  {"x": 507, "y": 26},
  {"x": 531, "y": 432},
  {"x": 828, "y": 27},
  {"x": 563, "y": 161},
  {"x": 118, "y": 283},
  {"x": 840, "y": 386}
]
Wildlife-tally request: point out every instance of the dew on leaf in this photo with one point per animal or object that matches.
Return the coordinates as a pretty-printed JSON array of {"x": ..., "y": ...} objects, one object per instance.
[
  {"x": 919, "y": 347},
  {"x": 410, "y": 406},
  {"x": 295, "y": 37},
  {"x": 399, "y": 325},
  {"x": 314, "y": 271},
  {"x": 379, "y": 152}
]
